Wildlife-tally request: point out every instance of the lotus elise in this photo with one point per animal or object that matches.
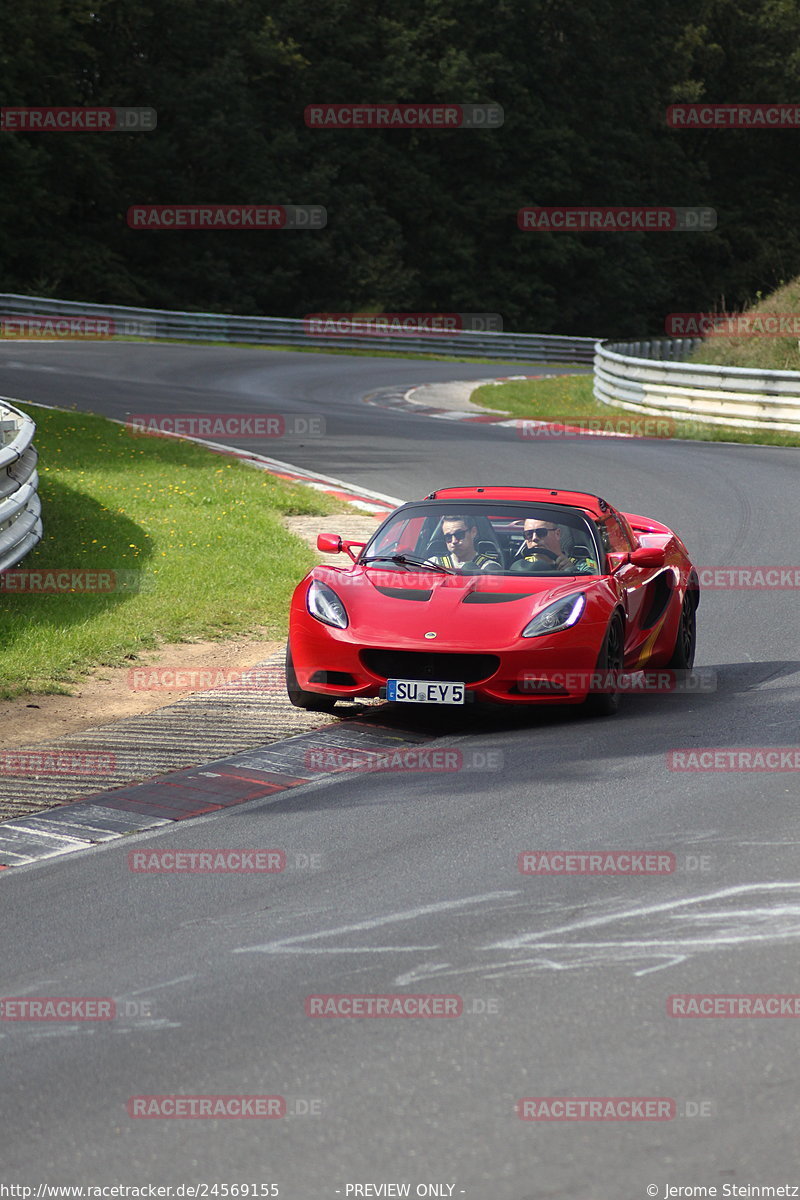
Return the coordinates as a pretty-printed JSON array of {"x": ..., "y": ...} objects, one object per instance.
[{"x": 511, "y": 595}]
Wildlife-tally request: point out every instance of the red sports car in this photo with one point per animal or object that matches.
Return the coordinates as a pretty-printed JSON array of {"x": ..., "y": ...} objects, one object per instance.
[{"x": 504, "y": 594}]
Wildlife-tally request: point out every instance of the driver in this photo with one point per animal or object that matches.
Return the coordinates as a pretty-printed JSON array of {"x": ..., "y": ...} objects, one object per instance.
[
  {"x": 459, "y": 535},
  {"x": 543, "y": 535}
]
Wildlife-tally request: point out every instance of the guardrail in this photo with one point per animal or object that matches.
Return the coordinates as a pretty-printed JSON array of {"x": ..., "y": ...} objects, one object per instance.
[
  {"x": 20, "y": 507},
  {"x": 113, "y": 320},
  {"x": 651, "y": 377}
]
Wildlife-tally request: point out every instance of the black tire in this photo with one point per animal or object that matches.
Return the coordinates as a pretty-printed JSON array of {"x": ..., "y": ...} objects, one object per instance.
[
  {"x": 299, "y": 697},
  {"x": 605, "y": 704},
  {"x": 683, "y": 653}
]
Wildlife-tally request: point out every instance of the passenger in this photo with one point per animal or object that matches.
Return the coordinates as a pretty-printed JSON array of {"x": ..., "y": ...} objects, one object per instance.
[
  {"x": 545, "y": 536},
  {"x": 459, "y": 534}
]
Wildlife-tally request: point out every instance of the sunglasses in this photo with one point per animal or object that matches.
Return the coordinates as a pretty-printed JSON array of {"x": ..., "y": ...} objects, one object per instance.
[
  {"x": 537, "y": 533},
  {"x": 458, "y": 536}
]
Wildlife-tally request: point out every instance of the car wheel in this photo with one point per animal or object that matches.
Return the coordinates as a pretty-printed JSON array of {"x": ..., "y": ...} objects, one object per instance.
[
  {"x": 683, "y": 654},
  {"x": 299, "y": 697},
  {"x": 605, "y": 704}
]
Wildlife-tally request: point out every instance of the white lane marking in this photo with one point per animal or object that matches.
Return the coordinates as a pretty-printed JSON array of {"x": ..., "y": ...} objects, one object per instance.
[
  {"x": 779, "y": 842},
  {"x": 278, "y": 947},
  {"x": 145, "y": 1025},
  {"x": 527, "y": 940},
  {"x": 118, "y": 1025},
  {"x": 341, "y": 950},
  {"x": 745, "y": 926},
  {"x": 155, "y": 987},
  {"x": 423, "y": 971}
]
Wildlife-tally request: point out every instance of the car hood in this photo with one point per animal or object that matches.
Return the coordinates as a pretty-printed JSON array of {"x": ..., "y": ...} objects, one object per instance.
[{"x": 400, "y": 608}]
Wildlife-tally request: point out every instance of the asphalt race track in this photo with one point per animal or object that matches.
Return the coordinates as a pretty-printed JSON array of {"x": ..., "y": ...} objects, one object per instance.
[{"x": 563, "y": 980}]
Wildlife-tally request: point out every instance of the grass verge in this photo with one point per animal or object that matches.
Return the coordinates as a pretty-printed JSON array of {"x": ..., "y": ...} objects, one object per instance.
[
  {"x": 570, "y": 399},
  {"x": 755, "y": 344},
  {"x": 196, "y": 538}
]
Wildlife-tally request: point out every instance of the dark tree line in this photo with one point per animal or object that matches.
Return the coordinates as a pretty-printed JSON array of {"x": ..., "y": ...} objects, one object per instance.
[{"x": 417, "y": 221}]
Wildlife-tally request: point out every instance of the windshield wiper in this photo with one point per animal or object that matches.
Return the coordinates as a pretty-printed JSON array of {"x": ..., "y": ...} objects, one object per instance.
[{"x": 406, "y": 561}]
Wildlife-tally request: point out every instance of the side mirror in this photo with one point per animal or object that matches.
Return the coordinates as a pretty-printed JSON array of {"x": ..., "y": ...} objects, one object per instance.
[
  {"x": 332, "y": 543},
  {"x": 648, "y": 556},
  {"x": 645, "y": 556}
]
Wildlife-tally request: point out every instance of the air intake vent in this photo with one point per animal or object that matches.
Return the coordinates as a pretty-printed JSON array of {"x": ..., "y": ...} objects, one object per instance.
[
  {"x": 416, "y": 664},
  {"x": 494, "y": 597},
  {"x": 401, "y": 593},
  {"x": 333, "y": 678}
]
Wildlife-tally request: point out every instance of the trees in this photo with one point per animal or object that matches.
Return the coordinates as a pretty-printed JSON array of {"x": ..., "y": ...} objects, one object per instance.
[{"x": 417, "y": 221}]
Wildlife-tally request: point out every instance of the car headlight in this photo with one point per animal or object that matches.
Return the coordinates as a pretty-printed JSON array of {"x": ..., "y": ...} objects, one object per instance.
[
  {"x": 323, "y": 603},
  {"x": 560, "y": 615}
]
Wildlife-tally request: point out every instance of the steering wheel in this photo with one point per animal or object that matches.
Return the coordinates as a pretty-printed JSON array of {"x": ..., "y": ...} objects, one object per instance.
[{"x": 523, "y": 566}]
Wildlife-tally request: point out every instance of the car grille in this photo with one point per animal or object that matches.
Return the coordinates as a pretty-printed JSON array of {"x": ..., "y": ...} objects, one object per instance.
[{"x": 417, "y": 664}]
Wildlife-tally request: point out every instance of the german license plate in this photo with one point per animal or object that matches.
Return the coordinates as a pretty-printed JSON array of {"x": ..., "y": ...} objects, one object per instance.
[{"x": 424, "y": 691}]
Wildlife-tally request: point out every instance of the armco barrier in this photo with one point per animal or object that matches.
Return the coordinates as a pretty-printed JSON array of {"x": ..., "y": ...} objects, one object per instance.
[
  {"x": 650, "y": 377},
  {"x": 279, "y": 331},
  {"x": 20, "y": 509}
]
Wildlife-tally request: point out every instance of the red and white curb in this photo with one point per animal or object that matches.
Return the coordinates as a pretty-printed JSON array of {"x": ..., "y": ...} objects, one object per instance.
[
  {"x": 522, "y": 423},
  {"x": 264, "y": 774}
]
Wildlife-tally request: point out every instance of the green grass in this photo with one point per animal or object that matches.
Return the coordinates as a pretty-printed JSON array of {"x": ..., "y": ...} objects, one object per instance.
[
  {"x": 202, "y": 531},
  {"x": 766, "y": 353},
  {"x": 570, "y": 399}
]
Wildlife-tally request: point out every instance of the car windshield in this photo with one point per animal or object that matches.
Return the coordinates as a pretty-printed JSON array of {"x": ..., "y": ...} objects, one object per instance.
[{"x": 487, "y": 539}]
